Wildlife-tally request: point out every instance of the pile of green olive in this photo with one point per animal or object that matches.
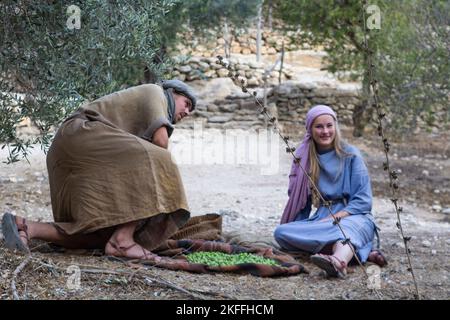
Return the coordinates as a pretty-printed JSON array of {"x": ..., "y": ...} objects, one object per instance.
[{"x": 213, "y": 258}]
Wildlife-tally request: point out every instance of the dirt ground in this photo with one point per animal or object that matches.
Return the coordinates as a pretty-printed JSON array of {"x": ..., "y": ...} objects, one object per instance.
[{"x": 250, "y": 204}]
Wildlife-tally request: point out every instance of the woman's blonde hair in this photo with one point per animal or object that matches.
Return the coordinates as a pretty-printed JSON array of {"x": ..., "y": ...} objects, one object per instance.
[{"x": 314, "y": 164}]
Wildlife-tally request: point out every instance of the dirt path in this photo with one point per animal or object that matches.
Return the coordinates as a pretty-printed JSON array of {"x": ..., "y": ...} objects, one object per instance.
[{"x": 251, "y": 204}]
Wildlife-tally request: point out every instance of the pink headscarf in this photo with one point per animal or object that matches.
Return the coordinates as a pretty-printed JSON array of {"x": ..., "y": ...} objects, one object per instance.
[{"x": 298, "y": 190}]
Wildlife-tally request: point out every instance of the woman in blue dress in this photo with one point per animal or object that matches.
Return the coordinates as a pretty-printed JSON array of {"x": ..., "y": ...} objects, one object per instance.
[{"x": 339, "y": 172}]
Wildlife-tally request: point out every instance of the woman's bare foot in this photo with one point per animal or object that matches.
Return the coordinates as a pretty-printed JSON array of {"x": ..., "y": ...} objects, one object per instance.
[{"x": 377, "y": 257}]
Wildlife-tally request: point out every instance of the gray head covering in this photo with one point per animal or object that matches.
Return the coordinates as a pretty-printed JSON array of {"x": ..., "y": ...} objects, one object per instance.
[{"x": 181, "y": 88}]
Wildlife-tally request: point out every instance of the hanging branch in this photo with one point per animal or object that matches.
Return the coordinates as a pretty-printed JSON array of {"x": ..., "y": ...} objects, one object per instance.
[
  {"x": 240, "y": 81},
  {"x": 392, "y": 174}
]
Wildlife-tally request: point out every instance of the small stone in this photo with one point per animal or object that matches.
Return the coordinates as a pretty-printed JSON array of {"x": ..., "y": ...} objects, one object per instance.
[
  {"x": 228, "y": 107},
  {"x": 436, "y": 208},
  {"x": 219, "y": 119},
  {"x": 399, "y": 245},
  {"x": 212, "y": 108},
  {"x": 194, "y": 60},
  {"x": 210, "y": 74},
  {"x": 433, "y": 252},
  {"x": 446, "y": 211},
  {"x": 436, "y": 191},
  {"x": 222, "y": 73},
  {"x": 252, "y": 82},
  {"x": 203, "y": 66},
  {"x": 185, "y": 69},
  {"x": 4, "y": 180},
  {"x": 215, "y": 66},
  {"x": 425, "y": 173},
  {"x": 426, "y": 243}
]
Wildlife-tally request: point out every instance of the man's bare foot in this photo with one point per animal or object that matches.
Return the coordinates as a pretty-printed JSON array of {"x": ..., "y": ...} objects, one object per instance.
[
  {"x": 130, "y": 250},
  {"x": 22, "y": 228}
]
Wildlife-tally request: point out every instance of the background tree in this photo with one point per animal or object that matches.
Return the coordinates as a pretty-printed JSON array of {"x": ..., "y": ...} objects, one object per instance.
[
  {"x": 337, "y": 26},
  {"x": 123, "y": 43},
  {"x": 55, "y": 68},
  {"x": 118, "y": 44},
  {"x": 413, "y": 36},
  {"x": 206, "y": 19},
  {"x": 210, "y": 18},
  {"x": 414, "y": 63}
]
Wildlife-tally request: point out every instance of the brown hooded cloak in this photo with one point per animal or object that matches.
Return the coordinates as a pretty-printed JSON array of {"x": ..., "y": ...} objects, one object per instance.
[{"x": 104, "y": 170}]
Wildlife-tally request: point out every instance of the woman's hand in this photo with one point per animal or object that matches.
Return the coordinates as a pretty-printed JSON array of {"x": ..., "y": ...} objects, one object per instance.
[{"x": 340, "y": 214}]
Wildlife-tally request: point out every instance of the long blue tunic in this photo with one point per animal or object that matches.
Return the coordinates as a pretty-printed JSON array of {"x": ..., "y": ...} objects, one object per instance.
[{"x": 339, "y": 178}]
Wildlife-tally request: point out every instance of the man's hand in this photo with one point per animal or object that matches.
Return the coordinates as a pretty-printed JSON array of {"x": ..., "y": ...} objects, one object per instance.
[{"x": 161, "y": 138}]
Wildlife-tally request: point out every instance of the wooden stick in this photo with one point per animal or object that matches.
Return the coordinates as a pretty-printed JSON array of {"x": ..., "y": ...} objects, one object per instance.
[
  {"x": 147, "y": 279},
  {"x": 15, "y": 274},
  {"x": 170, "y": 285}
]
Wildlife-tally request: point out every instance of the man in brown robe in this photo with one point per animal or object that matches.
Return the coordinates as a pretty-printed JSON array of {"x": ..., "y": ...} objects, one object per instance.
[{"x": 113, "y": 183}]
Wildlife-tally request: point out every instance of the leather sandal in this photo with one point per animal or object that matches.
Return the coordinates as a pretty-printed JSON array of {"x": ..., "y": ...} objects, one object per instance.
[
  {"x": 328, "y": 263},
  {"x": 123, "y": 250},
  {"x": 14, "y": 234},
  {"x": 23, "y": 230}
]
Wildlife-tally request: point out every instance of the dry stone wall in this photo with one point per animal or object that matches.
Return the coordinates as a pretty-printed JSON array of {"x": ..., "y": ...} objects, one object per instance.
[
  {"x": 203, "y": 68},
  {"x": 294, "y": 99},
  {"x": 288, "y": 102},
  {"x": 240, "y": 42}
]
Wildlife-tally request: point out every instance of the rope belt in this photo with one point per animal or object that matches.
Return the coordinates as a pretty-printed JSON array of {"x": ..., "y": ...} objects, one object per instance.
[{"x": 334, "y": 201}]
